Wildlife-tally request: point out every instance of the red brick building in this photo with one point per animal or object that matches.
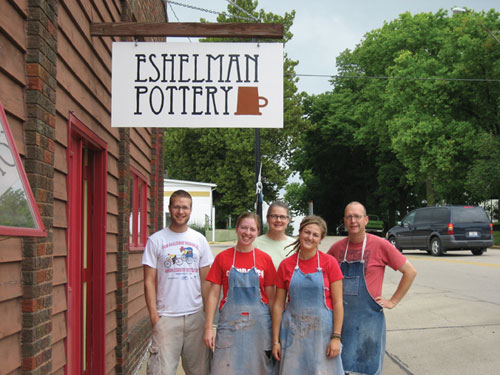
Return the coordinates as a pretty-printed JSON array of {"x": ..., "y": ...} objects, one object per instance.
[{"x": 72, "y": 302}]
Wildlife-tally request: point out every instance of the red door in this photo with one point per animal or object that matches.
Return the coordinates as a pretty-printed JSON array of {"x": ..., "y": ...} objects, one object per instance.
[
  {"x": 86, "y": 252},
  {"x": 86, "y": 247}
]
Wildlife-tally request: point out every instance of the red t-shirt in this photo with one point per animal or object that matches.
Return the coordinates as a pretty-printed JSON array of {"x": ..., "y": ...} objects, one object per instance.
[
  {"x": 330, "y": 268},
  {"x": 378, "y": 253},
  {"x": 219, "y": 272}
]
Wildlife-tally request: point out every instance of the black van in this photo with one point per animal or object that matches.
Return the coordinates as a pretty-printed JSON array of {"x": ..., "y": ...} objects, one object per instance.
[{"x": 444, "y": 228}]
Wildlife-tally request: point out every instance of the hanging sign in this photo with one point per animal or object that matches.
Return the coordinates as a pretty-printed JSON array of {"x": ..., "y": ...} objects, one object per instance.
[{"x": 211, "y": 85}]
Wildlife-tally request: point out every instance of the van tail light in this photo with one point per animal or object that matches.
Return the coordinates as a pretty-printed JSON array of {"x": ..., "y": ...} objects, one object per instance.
[
  {"x": 450, "y": 228},
  {"x": 491, "y": 228}
]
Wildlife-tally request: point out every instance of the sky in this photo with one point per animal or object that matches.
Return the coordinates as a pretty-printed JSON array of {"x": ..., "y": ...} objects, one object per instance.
[{"x": 324, "y": 28}]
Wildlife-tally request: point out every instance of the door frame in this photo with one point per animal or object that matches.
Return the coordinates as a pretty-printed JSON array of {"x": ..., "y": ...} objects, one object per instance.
[{"x": 80, "y": 135}]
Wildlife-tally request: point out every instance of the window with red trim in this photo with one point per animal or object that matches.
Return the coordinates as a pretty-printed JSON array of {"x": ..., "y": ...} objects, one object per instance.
[
  {"x": 19, "y": 215},
  {"x": 138, "y": 218}
]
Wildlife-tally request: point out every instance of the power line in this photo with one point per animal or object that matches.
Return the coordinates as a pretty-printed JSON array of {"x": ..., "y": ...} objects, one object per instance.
[{"x": 395, "y": 78}]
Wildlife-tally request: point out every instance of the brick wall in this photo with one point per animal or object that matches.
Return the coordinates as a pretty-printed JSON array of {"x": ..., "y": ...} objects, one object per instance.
[
  {"x": 141, "y": 335},
  {"x": 37, "y": 273},
  {"x": 156, "y": 203},
  {"x": 122, "y": 256},
  {"x": 132, "y": 341}
]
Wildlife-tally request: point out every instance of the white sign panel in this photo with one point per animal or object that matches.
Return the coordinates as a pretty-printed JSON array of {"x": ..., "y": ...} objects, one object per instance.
[{"x": 220, "y": 85}]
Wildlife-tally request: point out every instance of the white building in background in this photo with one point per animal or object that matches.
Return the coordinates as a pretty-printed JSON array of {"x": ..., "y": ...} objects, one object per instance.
[{"x": 202, "y": 200}]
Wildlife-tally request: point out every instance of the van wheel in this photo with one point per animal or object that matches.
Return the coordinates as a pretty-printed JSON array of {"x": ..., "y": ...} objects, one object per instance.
[
  {"x": 435, "y": 246},
  {"x": 477, "y": 251},
  {"x": 392, "y": 240}
]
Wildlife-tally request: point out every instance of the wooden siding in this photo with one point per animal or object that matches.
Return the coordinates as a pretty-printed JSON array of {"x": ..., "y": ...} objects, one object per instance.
[
  {"x": 12, "y": 83},
  {"x": 137, "y": 309},
  {"x": 60, "y": 244},
  {"x": 10, "y": 280},
  {"x": 10, "y": 323},
  {"x": 12, "y": 95},
  {"x": 83, "y": 77},
  {"x": 16, "y": 127},
  {"x": 11, "y": 250},
  {"x": 84, "y": 88},
  {"x": 11, "y": 345},
  {"x": 58, "y": 356}
]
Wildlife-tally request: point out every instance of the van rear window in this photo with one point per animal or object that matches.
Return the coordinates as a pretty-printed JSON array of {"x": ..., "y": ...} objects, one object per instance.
[{"x": 469, "y": 215}]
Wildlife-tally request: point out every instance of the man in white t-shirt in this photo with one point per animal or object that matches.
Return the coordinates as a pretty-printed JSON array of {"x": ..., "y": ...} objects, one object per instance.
[{"x": 176, "y": 262}]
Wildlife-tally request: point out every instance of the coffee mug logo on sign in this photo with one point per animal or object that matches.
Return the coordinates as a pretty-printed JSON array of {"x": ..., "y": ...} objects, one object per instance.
[{"x": 249, "y": 101}]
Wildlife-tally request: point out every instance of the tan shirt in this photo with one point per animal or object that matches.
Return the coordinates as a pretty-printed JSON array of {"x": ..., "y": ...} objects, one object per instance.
[{"x": 276, "y": 249}]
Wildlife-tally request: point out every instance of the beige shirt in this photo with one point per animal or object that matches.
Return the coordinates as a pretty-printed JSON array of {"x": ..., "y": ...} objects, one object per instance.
[{"x": 276, "y": 249}]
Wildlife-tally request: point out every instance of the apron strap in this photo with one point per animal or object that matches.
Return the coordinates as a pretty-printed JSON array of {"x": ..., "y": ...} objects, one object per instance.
[
  {"x": 362, "y": 249},
  {"x": 234, "y": 257},
  {"x": 298, "y": 256}
]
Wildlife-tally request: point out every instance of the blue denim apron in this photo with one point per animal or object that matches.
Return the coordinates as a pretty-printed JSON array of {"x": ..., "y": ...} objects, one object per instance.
[
  {"x": 243, "y": 343},
  {"x": 363, "y": 332},
  {"x": 306, "y": 327}
]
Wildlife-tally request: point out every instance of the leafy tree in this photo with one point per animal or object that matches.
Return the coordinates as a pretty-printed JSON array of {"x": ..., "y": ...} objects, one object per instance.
[
  {"x": 14, "y": 209},
  {"x": 326, "y": 157},
  {"x": 483, "y": 177},
  {"x": 227, "y": 156},
  {"x": 435, "y": 139},
  {"x": 416, "y": 135}
]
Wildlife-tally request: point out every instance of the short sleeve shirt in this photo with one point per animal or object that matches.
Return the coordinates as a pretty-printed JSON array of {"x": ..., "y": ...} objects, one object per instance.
[
  {"x": 177, "y": 258},
  {"x": 219, "y": 272},
  {"x": 379, "y": 253},
  {"x": 276, "y": 249},
  {"x": 330, "y": 268}
]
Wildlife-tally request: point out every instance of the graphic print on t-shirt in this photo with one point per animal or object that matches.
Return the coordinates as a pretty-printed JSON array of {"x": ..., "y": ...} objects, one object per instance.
[
  {"x": 187, "y": 256},
  {"x": 180, "y": 260},
  {"x": 246, "y": 270}
]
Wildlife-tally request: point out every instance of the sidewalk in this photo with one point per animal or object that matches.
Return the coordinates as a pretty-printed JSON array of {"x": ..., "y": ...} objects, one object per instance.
[{"x": 391, "y": 367}]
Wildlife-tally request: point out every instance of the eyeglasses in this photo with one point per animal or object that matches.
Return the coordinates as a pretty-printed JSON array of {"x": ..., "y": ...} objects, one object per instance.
[
  {"x": 276, "y": 217},
  {"x": 178, "y": 208},
  {"x": 354, "y": 217}
]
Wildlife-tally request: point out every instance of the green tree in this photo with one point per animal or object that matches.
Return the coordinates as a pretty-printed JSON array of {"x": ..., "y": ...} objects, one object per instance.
[
  {"x": 14, "y": 209},
  {"x": 436, "y": 135},
  {"x": 227, "y": 156},
  {"x": 417, "y": 132}
]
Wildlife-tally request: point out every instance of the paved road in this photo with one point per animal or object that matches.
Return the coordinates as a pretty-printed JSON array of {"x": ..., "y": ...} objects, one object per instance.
[{"x": 449, "y": 323}]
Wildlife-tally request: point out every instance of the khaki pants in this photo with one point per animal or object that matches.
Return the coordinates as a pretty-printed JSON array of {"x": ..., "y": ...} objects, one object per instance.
[{"x": 175, "y": 337}]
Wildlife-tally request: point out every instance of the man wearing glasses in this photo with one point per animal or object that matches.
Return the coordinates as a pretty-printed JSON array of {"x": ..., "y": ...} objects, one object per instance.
[
  {"x": 363, "y": 258},
  {"x": 176, "y": 262}
]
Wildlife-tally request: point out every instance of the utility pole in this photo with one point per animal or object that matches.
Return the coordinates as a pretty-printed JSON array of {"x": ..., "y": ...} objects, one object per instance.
[{"x": 258, "y": 182}]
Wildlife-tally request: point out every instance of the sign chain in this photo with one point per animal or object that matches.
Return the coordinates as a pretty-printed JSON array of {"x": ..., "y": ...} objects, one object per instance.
[{"x": 209, "y": 11}]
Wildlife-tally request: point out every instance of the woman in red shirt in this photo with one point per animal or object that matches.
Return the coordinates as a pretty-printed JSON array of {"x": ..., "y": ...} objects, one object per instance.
[
  {"x": 247, "y": 276},
  {"x": 306, "y": 334}
]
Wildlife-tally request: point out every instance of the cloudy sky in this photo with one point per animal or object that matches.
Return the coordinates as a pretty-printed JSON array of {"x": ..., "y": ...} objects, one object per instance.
[{"x": 324, "y": 28}]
